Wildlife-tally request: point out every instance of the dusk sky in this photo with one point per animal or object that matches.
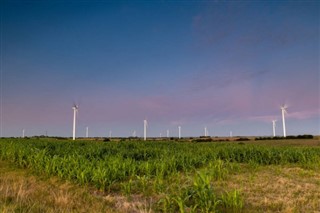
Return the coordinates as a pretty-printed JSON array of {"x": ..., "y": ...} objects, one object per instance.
[{"x": 227, "y": 65}]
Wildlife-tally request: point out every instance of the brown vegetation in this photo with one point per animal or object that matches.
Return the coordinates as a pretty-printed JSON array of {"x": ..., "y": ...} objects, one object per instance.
[
  {"x": 20, "y": 191},
  {"x": 277, "y": 189}
]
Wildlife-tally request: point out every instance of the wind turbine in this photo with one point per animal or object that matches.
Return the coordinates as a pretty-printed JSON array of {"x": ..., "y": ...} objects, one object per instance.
[
  {"x": 23, "y": 133},
  {"x": 75, "y": 110},
  {"x": 145, "y": 124},
  {"x": 284, "y": 111},
  {"x": 167, "y": 133},
  {"x": 179, "y": 127},
  {"x": 134, "y": 134},
  {"x": 230, "y": 134},
  {"x": 110, "y": 134},
  {"x": 274, "y": 127},
  {"x": 87, "y": 132},
  {"x": 205, "y": 131}
]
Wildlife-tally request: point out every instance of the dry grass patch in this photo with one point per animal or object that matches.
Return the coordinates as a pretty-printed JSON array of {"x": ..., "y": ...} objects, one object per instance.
[
  {"x": 22, "y": 192},
  {"x": 132, "y": 205},
  {"x": 287, "y": 142},
  {"x": 278, "y": 189}
]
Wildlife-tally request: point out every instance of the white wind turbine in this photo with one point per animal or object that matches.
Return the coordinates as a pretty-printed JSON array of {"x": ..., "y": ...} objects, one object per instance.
[
  {"x": 75, "y": 110},
  {"x": 23, "y": 133},
  {"x": 205, "y": 131},
  {"x": 167, "y": 133},
  {"x": 179, "y": 128},
  {"x": 145, "y": 125},
  {"x": 274, "y": 127},
  {"x": 87, "y": 132},
  {"x": 284, "y": 111}
]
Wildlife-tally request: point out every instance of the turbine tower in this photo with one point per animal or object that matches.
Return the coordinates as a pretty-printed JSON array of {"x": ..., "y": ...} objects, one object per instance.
[
  {"x": 167, "y": 133},
  {"x": 145, "y": 124},
  {"x": 23, "y": 133},
  {"x": 110, "y": 134},
  {"x": 134, "y": 134},
  {"x": 179, "y": 127},
  {"x": 274, "y": 127},
  {"x": 87, "y": 132},
  {"x": 284, "y": 111},
  {"x": 75, "y": 110},
  {"x": 205, "y": 131}
]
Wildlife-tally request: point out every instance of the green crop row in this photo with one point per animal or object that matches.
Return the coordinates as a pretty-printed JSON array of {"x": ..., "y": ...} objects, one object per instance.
[{"x": 150, "y": 167}]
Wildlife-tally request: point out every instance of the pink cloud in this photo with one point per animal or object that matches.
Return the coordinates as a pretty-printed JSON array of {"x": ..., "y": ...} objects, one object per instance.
[
  {"x": 301, "y": 115},
  {"x": 264, "y": 118},
  {"x": 226, "y": 121}
]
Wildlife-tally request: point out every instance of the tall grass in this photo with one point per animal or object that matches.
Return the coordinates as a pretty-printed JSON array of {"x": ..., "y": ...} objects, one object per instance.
[{"x": 147, "y": 167}]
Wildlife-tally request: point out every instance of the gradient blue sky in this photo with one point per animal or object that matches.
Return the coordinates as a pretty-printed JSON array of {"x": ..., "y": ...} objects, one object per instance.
[{"x": 227, "y": 65}]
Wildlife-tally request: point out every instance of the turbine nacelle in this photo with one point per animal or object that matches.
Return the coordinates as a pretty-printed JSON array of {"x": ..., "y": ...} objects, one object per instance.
[
  {"x": 284, "y": 108},
  {"x": 75, "y": 107}
]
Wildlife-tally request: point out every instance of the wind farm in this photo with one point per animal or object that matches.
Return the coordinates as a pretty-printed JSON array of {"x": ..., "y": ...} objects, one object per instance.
[
  {"x": 189, "y": 138},
  {"x": 159, "y": 106}
]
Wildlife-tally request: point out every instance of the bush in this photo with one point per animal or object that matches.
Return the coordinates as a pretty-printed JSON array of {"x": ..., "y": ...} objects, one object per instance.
[
  {"x": 202, "y": 139},
  {"x": 243, "y": 139},
  {"x": 305, "y": 136},
  {"x": 288, "y": 137}
]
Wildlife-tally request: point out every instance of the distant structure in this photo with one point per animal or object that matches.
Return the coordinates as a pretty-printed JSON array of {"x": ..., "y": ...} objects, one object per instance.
[
  {"x": 75, "y": 110},
  {"x": 110, "y": 134},
  {"x": 206, "y": 131},
  {"x": 145, "y": 124},
  {"x": 167, "y": 133},
  {"x": 87, "y": 132},
  {"x": 274, "y": 127},
  {"x": 284, "y": 111},
  {"x": 23, "y": 133},
  {"x": 134, "y": 134},
  {"x": 230, "y": 134},
  {"x": 179, "y": 128}
]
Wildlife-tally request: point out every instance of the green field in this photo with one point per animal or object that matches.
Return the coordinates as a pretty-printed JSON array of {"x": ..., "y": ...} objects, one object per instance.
[{"x": 165, "y": 176}]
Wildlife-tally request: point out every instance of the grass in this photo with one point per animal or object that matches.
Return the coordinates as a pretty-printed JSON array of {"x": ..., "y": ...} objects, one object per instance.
[
  {"x": 20, "y": 191},
  {"x": 277, "y": 188},
  {"x": 82, "y": 176},
  {"x": 23, "y": 191},
  {"x": 286, "y": 142}
]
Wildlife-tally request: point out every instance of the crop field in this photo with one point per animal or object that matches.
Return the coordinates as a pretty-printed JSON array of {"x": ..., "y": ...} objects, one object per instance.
[{"x": 172, "y": 176}]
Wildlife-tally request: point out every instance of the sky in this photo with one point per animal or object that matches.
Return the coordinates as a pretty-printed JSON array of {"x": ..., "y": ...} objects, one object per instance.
[{"x": 224, "y": 65}]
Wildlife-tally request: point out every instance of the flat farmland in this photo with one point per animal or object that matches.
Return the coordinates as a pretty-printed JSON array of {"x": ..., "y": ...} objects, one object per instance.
[{"x": 159, "y": 176}]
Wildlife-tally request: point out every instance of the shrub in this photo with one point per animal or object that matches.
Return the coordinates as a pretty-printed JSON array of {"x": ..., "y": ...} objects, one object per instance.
[{"x": 243, "y": 139}]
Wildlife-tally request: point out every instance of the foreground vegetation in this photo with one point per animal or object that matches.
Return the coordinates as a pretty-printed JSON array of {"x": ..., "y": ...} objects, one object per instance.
[
  {"x": 178, "y": 177},
  {"x": 21, "y": 191}
]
